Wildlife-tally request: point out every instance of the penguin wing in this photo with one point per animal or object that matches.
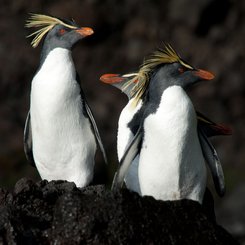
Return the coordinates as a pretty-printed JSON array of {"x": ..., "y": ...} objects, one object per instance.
[
  {"x": 96, "y": 131},
  {"x": 28, "y": 140},
  {"x": 92, "y": 121},
  {"x": 211, "y": 157},
  {"x": 211, "y": 128},
  {"x": 131, "y": 152}
]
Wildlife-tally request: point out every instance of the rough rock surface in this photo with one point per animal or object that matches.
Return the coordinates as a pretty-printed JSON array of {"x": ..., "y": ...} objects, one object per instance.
[{"x": 57, "y": 212}]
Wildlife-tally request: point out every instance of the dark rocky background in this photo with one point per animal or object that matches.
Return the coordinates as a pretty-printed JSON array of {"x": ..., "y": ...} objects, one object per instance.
[{"x": 209, "y": 34}]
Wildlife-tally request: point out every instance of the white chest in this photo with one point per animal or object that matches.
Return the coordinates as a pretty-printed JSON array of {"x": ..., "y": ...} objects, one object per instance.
[
  {"x": 55, "y": 82},
  {"x": 171, "y": 162},
  {"x": 63, "y": 143},
  {"x": 124, "y": 134},
  {"x": 124, "y": 138}
]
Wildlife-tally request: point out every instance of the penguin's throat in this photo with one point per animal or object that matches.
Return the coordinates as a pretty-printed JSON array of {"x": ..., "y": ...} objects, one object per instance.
[{"x": 54, "y": 87}]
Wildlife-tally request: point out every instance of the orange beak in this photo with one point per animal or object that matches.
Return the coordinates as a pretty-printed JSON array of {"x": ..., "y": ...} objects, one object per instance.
[
  {"x": 111, "y": 78},
  {"x": 204, "y": 75},
  {"x": 85, "y": 31}
]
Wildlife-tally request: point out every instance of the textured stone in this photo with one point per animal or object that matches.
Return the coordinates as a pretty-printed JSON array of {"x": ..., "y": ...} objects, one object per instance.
[{"x": 58, "y": 212}]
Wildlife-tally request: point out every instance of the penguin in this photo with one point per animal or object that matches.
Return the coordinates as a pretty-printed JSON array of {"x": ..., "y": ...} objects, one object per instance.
[
  {"x": 171, "y": 146},
  {"x": 60, "y": 131},
  {"x": 125, "y": 133}
]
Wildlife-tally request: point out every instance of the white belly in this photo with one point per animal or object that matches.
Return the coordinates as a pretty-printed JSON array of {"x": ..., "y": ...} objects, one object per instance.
[
  {"x": 63, "y": 143},
  {"x": 124, "y": 137},
  {"x": 171, "y": 162}
]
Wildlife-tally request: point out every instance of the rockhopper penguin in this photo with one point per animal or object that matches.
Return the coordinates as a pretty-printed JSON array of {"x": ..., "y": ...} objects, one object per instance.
[
  {"x": 127, "y": 119},
  {"x": 60, "y": 132},
  {"x": 124, "y": 133},
  {"x": 170, "y": 145}
]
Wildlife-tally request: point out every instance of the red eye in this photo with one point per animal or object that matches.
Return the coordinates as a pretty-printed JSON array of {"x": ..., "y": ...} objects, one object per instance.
[
  {"x": 181, "y": 70},
  {"x": 62, "y": 31}
]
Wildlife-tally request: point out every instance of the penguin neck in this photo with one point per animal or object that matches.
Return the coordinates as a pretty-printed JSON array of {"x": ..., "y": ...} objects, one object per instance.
[
  {"x": 57, "y": 59},
  {"x": 47, "y": 49},
  {"x": 155, "y": 91}
]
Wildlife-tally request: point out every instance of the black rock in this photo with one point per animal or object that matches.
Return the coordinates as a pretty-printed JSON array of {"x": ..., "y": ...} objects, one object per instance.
[{"x": 57, "y": 212}]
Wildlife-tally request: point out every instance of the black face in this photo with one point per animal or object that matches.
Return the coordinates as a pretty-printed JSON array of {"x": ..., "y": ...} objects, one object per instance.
[
  {"x": 63, "y": 37},
  {"x": 180, "y": 75},
  {"x": 175, "y": 74}
]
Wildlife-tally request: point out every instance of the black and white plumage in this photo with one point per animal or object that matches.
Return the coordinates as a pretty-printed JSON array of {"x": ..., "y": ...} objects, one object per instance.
[
  {"x": 205, "y": 129},
  {"x": 128, "y": 125},
  {"x": 125, "y": 134},
  {"x": 60, "y": 132}
]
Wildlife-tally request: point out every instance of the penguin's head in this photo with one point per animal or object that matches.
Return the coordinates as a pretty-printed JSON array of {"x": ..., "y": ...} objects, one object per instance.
[
  {"x": 180, "y": 74},
  {"x": 59, "y": 32},
  {"x": 65, "y": 37},
  {"x": 162, "y": 69}
]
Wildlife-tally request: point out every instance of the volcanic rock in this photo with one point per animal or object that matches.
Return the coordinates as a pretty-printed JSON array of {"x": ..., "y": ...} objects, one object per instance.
[{"x": 58, "y": 212}]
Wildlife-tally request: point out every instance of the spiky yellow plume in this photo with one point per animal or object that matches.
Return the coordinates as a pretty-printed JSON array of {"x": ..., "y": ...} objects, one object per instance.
[
  {"x": 45, "y": 23},
  {"x": 142, "y": 78}
]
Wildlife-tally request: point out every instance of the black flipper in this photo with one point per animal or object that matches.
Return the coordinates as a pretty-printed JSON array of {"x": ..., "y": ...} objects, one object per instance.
[
  {"x": 28, "y": 140},
  {"x": 131, "y": 152},
  {"x": 91, "y": 119},
  {"x": 96, "y": 131},
  {"x": 213, "y": 162}
]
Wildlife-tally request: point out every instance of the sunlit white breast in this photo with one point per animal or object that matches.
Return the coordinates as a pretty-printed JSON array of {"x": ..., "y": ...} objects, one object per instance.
[
  {"x": 171, "y": 164},
  {"x": 63, "y": 142}
]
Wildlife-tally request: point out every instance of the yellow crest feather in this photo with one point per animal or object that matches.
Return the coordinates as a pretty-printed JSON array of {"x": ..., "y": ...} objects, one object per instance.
[
  {"x": 142, "y": 78},
  {"x": 45, "y": 23}
]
